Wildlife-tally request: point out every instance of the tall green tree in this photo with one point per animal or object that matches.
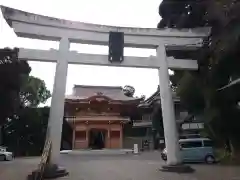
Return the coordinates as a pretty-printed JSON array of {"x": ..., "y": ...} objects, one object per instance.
[
  {"x": 25, "y": 133},
  {"x": 218, "y": 60},
  {"x": 182, "y": 14},
  {"x": 12, "y": 75},
  {"x": 23, "y": 125},
  {"x": 33, "y": 92}
]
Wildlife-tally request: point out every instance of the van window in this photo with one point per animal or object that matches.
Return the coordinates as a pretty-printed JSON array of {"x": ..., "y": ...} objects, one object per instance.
[
  {"x": 191, "y": 144},
  {"x": 208, "y": 143},
  {"x": 194, "y": 136},
  {"x": 189, "y": 136}
]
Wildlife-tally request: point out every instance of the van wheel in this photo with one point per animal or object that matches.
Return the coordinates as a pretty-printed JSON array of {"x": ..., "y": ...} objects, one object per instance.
[{"x": 209, "y": 159}]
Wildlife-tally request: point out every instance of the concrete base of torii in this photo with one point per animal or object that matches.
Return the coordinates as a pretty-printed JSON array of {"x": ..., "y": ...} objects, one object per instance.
[
  {"x": 51, "y": 171},
  {"x": 180, "y": 168}
]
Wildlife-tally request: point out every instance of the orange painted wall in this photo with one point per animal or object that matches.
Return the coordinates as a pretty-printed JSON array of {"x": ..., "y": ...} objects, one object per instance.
[{"x": 110, "y": 142}]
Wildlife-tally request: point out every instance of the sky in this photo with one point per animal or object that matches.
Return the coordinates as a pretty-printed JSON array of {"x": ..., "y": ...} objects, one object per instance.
[{"x": 129, "y": 13}]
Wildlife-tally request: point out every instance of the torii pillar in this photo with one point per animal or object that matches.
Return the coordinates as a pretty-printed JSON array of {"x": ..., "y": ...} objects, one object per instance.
[
  {"x": 174, "y": 160},
  {"x": 55, "y": 121}
]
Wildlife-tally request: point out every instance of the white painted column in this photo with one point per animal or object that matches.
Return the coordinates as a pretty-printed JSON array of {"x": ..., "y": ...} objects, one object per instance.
[
  {"x": 58, "y": 98},
  {"x": 168, "y": 114}
]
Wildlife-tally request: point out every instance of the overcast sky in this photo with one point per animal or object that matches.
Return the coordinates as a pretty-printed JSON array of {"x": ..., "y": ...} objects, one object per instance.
[{"x": 132, "y": 13}]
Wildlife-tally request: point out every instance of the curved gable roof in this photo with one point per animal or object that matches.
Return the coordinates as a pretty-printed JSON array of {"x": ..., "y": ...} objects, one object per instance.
[
  {"x": 81, "y": 92},
  {"x": 156, "y": 97}
]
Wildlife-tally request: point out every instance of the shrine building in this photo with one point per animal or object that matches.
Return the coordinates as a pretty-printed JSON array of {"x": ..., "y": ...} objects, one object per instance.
[{"x": 97, "y": 115}]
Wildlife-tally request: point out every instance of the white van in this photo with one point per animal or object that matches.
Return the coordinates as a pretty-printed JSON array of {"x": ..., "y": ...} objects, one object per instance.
[{"x": 195, "y": 150}]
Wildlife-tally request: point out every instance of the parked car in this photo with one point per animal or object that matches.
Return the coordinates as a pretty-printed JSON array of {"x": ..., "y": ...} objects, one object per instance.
[
  {"x": 5, "y": 155},
  {"x": 194, "y": 150},
  {"x": 190, "y": 136}
]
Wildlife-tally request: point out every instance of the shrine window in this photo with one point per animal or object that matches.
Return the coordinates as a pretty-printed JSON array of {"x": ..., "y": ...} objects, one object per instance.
[
  {"x": 80, "y": 135},
  {"x": 115, "y": 134}
]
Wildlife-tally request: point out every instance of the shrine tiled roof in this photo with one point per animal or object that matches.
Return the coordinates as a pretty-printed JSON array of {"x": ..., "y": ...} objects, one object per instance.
[
  {"x": 156, "y": 97},
  {"x": 81, "y": 92}
]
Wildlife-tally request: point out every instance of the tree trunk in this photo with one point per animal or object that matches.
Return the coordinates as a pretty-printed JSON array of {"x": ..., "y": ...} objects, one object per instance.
[{"x": 232, "y": 147}]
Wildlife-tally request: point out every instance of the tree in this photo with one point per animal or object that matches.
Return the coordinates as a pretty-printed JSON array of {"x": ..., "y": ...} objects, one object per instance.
[
  {"x": 25, "y": 133},
  {"x": 33, "y": 92},
  {"x": 218, "y": 60},
  {"x": 182, "y": 14},
  {"x": 23, "y": 125},
  {"x": 12, "y": 74},
  {"x": 190, "y": 93},
  {"x": 129, "y": 90}
]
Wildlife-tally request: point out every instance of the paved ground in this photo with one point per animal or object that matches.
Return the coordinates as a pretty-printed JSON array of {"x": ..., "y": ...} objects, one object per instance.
[
  {"x": 118, "y": 167},
  {"x": 18, "y": 168}
]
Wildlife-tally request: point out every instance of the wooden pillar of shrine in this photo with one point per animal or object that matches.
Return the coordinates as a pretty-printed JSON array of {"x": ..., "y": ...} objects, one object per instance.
[
  {"x": 109, "y": 135},
  {"x": 121, "y": 136},
  {"x": 87, "y": 134},
  {"x": 73, "y": 138},
  {"x": 73, "y": 133}
]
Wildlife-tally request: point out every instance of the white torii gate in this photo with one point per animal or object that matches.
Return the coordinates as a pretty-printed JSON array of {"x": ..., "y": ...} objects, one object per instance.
[{"x": 47, "y": 28}]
